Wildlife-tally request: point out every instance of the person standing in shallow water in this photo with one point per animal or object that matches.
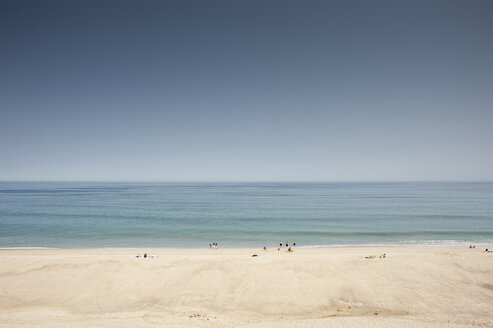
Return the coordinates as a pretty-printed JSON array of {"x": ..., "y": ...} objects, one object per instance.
[
  {"x": 280, "y": 244},
  {"x": 287, "y": 244},
  {"x": 294, "y": 243}
]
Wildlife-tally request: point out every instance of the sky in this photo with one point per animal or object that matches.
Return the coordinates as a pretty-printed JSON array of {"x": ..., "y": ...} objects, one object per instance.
[{"x": 271, "y": 90}]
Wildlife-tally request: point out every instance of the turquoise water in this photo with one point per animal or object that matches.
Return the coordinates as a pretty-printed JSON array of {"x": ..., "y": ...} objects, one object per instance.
[{"x": 42, "y": 214}]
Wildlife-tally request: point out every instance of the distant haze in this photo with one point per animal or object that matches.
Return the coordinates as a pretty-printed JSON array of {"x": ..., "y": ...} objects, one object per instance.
[{"x": 246, "y": 90}]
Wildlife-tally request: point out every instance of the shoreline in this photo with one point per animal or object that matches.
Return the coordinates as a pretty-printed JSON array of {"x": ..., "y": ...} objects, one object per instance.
[{"x": 465, "y": 245}]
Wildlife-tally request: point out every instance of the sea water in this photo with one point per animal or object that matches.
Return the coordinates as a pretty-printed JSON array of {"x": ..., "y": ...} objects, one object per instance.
[{"x": 127, "y": 215}]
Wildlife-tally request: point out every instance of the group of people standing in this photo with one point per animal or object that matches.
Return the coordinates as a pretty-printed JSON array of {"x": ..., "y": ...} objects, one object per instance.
[
  {"x": 214, "y": 244},
  {"x": 287, "y": 244}
]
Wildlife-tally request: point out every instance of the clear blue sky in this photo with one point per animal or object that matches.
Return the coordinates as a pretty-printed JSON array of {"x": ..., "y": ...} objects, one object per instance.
[{"x": 246, "y": 90}]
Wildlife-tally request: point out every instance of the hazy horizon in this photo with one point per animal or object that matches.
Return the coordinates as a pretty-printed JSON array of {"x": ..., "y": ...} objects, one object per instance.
[
  {"x": 250, "y": 181},
  {"x": 246, "y": 91}
]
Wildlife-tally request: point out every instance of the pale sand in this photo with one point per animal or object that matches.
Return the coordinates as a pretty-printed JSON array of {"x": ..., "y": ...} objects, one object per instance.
[{"x": 332, "y": 287}]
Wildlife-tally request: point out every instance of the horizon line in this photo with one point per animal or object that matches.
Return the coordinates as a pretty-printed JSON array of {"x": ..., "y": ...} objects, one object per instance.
[{"x": 254, "y": 181}]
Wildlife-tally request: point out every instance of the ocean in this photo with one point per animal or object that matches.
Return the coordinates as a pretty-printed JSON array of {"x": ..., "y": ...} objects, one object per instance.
[{"x": 191, "y": 215}]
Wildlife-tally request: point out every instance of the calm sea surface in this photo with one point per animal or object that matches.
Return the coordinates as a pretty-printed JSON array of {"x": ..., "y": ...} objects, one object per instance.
[{"x": 243, "y": 214}]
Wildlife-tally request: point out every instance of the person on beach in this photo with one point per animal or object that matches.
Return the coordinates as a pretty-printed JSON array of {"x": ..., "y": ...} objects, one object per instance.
[
  {"x": 280, "y": 244},
  {"x": 294, "y": 243},
  {"x": 287, "y": 244}
]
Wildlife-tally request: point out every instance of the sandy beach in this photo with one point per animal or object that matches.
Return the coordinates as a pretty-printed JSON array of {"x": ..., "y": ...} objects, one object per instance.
[{"x": 326, "y": 287}]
